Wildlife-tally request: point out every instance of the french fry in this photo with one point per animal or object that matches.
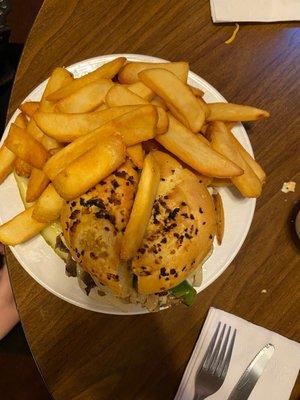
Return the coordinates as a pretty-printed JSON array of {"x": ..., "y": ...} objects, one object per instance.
[
  {"x": 26, "y": 147},
  {"x": 130, "y": 72},
  {"x": 90, "y": 168},
  {"x": 121, "y": 96},
  {"x": 177, "y": 94},
  {"x": 136, "y": 154},
  {"x": 158, "y": 102},
  {"x": 37, "y": 183},
  {"x": 67, "y": 127},
  {"x": 59, "y": 78},
  {"x": 7, "y": 158},
  {"x": 85, "y": 99},
  {"x": 195, "y": 152},
  {"x": 249, "y": 160},
  {"x": 248, "y": 184},
  {"x": 106, "y": 71},
  {"x": 21, "y": 121},
  {"x": 20, "y": 229},
  {"x": 101, "y": 107},
  {"x": 141, "y": 90},
  {"x": 234, "y": 112},
  {"x": 219, "y": 210},
  {"x": 142, "y": 208},
  {"x": 196, "y": 91},
  {"x": 22, "y": 168},
  {"x": 204, "y": 106},
  {"x": 217, "y": 182},
  {"x": 48, "y": 206},
  {"x": 59, "y": 161},
  {"x": 166, "y": 164},
  {"x": 29, "y": 107},
  {"x": 34, "y": 130}
]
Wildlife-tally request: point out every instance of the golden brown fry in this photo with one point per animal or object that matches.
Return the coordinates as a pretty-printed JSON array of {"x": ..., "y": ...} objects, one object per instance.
[
  {"x": 196, "y": 91},
  {"x": 141, "y": 90},
  {"x": 177, "y": 95},
  {"x": 90, "y": 168},
  {"x": 48, "y": 206},
  {"x": 219, "y": 210},
  {"x": 218, "y": 182},
  {"x": 142, "y": 208},
  {"x": 136, "y": 154},
  {"x": 29, "y": 107},
  {"x": 158, "y": 102},
  {"x": 130, "y": 72},
  {"x": 249, "y": 160},
  {"x": 37, "y": 183},
  {"x": 7, "y": 158},
  {"x": 101, "y": 107},
  {"x": 26, "y": 147},
  {"x": 21, "y": 228},
  {"x": 195, "y": 152},
  {"x": 234, "y": 112},
  {"x": 121, "y": 96},
  {"x": 67, "y": 127},
  {"x": 34, "y": 130},
  {"x": 106, "y": 71},
  {"x": 85, "y": 99},
  {"x": 21, "y": 121},
  {"x": 22, "y": 168},
  {"x": 248, "y": 184}
]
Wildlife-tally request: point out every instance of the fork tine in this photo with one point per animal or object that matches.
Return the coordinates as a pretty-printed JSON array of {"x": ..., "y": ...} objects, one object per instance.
[
  {"x": 220, "y": 361},
  {"x": 228, "y": 356},
  {"x": 210, "y": 347},
  {"x": 214, "y": 357}
]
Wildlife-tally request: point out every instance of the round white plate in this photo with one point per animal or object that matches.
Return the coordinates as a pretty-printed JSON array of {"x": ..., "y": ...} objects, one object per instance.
[{"x": 42, "y": 263}]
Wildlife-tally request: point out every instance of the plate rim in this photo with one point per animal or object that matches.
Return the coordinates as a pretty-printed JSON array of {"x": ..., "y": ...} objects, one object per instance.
[{"x": 252, "y": 203}]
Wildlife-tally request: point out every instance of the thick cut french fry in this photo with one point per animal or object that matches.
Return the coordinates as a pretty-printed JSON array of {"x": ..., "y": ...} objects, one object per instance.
[
  {"x": 34, "y": 130},
  {"x": 29, "y": 107},
  {"x": 121, "y": 96},
  {"x": 90, "y": 168},
  {"x": 21, "y": 121},
  {"x": 85, "y": 99},
  {"x": 220, "y": 220},
  {"x": 21, "y": 228},
  {"x": 136, "y": 154},
  {"x": 195, "y": 152},
  {"x": 249, "y": 160},
  {"x": 204, "y": 106},
  {"x": 217, "y": 182},
  {"x": 26, "y": 147},
  {"x": 248, "y": 184},
  {"x": 196, "y": 91},
  {"x": 141, "y": 90},
  {"x": 48, "y": 206},
  {"x": 177, "y": 94},
  {"x": 7, "y": 159},
  {"x": 234, "y": 112},
  {"x": 130, "y": 72},
  {"x": 37, "y": 183},
  {"x": 101, "y": 107},
  {"x": 142, "y": 208},
  {"x": 106, "y": 71},
  {"x": 59, "y": 161},
  {"x": 59, "y": 78},
  {"x": 22, "y": 168},
  {"x": 158, "y": 102},
  {"x": 67, "y": 127}
]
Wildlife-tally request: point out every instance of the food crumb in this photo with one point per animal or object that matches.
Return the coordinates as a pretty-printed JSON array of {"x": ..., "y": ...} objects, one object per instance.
[
  {"x": 288, "y": 187},
  {"x": 263, "y": 291}
]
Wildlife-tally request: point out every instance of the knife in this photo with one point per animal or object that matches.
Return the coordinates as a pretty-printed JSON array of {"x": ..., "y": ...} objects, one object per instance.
[{"x": 247, "y": 381}]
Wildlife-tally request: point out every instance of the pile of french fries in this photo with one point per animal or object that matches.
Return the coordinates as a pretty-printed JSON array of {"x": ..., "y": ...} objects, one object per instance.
[{"x": 83, "y": 129}]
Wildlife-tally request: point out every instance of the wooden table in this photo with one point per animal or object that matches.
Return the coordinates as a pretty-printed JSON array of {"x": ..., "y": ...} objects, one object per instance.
[{"x": 84, "y": 355}]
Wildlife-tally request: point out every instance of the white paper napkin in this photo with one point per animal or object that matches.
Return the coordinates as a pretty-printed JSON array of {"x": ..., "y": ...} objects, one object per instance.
[
  {"x": 279, "y": 376},
  {"x": 255, "y": 10}
]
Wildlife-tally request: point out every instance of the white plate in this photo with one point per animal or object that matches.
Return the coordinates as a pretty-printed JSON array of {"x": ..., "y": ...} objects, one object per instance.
[{"x": 40, "y": 261}]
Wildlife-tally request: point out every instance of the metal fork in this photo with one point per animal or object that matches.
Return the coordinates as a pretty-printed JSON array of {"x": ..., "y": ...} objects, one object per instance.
[{"x": 214, "y": 366}]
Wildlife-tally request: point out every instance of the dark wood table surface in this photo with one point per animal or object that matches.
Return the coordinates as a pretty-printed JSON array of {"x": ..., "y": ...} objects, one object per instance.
[{"x": 84, "y": 355}]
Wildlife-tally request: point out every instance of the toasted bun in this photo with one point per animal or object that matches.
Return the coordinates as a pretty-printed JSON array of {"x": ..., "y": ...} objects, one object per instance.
[
  {"x": 93, "y": 225},
  {"x": 181, "y": 230}
]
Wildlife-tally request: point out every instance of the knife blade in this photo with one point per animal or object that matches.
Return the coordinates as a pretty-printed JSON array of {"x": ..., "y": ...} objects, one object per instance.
[{"x": 249, "y": 378}]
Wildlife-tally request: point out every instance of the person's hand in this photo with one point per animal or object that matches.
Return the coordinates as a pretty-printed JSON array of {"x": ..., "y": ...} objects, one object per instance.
[{"x": 8, "y": 313}]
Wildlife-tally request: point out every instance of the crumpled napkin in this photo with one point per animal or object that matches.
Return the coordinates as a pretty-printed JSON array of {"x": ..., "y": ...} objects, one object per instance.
[{"x": 254, "y": 10}]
